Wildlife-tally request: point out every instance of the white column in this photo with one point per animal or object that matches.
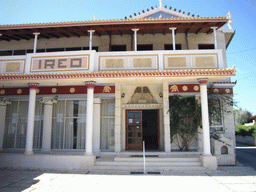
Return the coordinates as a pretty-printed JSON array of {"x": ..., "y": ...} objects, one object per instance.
[
  {"x": 215, "y": 37},
  {"x": 135, "y": 39},
  {"x": 167, "y": 129},
  {"x": 173, "y": 37},
  {"x": 90, "y": 41},
  {"x": 205, "y": 117},
  {"x": 3, "y": 104},
  {"x": 118, "y": 116},
  {"x": 47, "y": 125},
  {"x": 96, "y": 125},
  {"x": 35, "y": 41},
  {"x": 89, "y": 118},
  {"x": 31, "y": 118}
]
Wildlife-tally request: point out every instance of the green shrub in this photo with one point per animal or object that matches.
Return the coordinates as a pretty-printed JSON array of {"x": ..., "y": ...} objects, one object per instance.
[{"x": 246, "y": 130}]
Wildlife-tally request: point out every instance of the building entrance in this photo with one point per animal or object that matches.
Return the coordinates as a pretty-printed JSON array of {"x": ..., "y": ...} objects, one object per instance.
[{"x": 142, "y": 125}]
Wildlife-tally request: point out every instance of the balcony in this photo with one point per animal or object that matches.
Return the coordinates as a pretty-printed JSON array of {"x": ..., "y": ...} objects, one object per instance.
[{"x": 92, "y": 61}]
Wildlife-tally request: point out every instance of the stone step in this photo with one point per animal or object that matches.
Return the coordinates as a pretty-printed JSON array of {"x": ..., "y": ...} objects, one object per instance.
[
  {"x": 149, "y": 168},
  {"x": 141, "y": 163},
  {"x": 155, "y": 159}
]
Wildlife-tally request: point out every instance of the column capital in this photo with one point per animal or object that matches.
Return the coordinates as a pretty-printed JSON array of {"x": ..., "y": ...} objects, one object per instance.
[
  {"x": 91, "y": 31},
  {"x": 36, "y": 33},
  {"x": 135, "y": 30},
  {"x": 202, "y": 81},
  {"x": 48, "y": 100},
  {"x": 90, "y": 84},
  {"x": 33, "y": 85},
  {"x": 214, "y": 28},
  {"x": 173, "y": 28},
  {"x": 4, "y": 101}
]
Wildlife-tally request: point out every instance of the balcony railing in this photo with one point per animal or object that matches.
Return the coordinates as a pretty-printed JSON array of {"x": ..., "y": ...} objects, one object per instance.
[{"x": 92, "y": 61}]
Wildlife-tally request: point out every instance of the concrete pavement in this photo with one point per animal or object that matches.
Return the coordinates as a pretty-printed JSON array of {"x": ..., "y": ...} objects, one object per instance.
[{"x": 226, "y": 178}]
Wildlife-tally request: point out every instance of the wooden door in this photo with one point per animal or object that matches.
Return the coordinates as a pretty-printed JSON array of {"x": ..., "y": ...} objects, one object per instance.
[{"x": 134, "y": 130}]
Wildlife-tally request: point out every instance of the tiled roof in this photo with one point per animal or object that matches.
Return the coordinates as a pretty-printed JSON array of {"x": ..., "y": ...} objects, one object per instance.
[{"x": 114, "y": 21}]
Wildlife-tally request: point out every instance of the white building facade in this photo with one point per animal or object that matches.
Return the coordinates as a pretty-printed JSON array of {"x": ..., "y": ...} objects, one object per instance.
[{"x": 71, "y": 92}]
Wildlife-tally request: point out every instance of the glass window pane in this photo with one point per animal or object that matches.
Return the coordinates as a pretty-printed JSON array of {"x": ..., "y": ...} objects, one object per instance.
[
  {"x": 23, "y": 109},
  {"x": 57, "y": 133},
  {"x": 59, "y": 109},
  {"x": 82, "y": 109},
  {"x": 11, "y": 110}
]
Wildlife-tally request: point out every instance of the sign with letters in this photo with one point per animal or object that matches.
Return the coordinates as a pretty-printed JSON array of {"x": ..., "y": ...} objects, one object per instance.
[{"x": 60, "y": 63}]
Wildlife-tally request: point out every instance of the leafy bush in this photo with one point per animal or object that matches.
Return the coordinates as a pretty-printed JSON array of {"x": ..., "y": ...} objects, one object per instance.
[{"x": 246, "y": 130}]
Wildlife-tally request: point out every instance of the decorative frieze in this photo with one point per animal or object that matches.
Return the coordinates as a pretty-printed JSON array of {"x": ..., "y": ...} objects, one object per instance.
[
  {"x": 195, "y": 88},
  {"x": 57, "y": 90}
]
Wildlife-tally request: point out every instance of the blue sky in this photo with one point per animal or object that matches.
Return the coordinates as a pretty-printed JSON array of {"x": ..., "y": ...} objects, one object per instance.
[{"x": 241, "y": 52}]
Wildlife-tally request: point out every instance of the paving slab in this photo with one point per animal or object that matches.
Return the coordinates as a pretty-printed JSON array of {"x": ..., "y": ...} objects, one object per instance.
[{"x": 226, "y": 178}]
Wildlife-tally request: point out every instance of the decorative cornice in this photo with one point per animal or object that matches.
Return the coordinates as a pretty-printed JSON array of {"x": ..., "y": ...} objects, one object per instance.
[
  {"x": 142, "y": 106},
  {"x": 123, "y": 74}
]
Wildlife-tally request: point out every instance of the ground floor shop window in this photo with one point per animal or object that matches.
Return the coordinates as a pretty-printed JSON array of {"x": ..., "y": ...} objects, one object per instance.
[
  {"x": 69, "y": 124},
  {"x": 107, "y": 131},
  {"x": 16, "y": 125}
]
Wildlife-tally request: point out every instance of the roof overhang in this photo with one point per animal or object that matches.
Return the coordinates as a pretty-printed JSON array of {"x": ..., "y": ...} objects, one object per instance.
[{"x": 112, "y": 27}]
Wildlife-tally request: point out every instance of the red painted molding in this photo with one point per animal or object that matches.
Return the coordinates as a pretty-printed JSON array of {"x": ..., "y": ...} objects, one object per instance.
[
  {"x": 195, "y": 88},
  {"x": 56, "y": 90}
]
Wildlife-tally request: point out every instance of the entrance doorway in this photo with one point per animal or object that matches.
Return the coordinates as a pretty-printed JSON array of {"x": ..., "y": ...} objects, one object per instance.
[{"x": 142, "y": 125}]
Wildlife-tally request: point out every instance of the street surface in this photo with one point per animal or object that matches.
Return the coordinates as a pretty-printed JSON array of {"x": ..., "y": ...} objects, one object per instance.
[{"x": 246, "y": 155}]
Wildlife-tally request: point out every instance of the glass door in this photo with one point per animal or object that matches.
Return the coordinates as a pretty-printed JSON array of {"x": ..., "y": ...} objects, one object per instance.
[{"x": 134, "y": 130}]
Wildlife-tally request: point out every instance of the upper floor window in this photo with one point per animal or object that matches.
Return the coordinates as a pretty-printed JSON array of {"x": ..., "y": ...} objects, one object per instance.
[
  {"x": 205, "y": 46},
  {"x": 145, "y": 47},
  {"x": 170, "y": 47},
  {"x": 118, "y": 48},
  {"x": 25, "y": 51}
]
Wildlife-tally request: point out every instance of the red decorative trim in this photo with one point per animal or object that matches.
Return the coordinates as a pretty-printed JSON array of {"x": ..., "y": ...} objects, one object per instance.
[
  {"x": 202, "y": 81},
  {"x": 195, "y": 88},
  {"x": 57, "y": 90},
  {"x": 119, "y": 74},
  {"x": 33, "y": 85},
  {"x": 90, "y": 84}
]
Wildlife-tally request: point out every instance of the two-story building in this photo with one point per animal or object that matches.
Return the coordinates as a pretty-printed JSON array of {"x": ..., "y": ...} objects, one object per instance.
[{"x": 72, "y": 91}]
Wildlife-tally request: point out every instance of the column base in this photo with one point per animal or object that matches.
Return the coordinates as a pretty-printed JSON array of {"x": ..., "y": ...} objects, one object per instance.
[
  {"x": 209, "y": 162},
  {"x": 28, "y": 153},
  {"x": 90, "y": 159}
]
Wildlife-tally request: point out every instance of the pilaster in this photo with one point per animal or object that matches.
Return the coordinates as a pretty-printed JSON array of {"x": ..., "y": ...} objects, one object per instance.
[
  {"x": 96, "y": 124},
  {"x": 118, "y": 115},
  {"x": 47, "y": 125},
  {"x": 3, "y": 104},
  {"x": 167, "y": 133}
]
